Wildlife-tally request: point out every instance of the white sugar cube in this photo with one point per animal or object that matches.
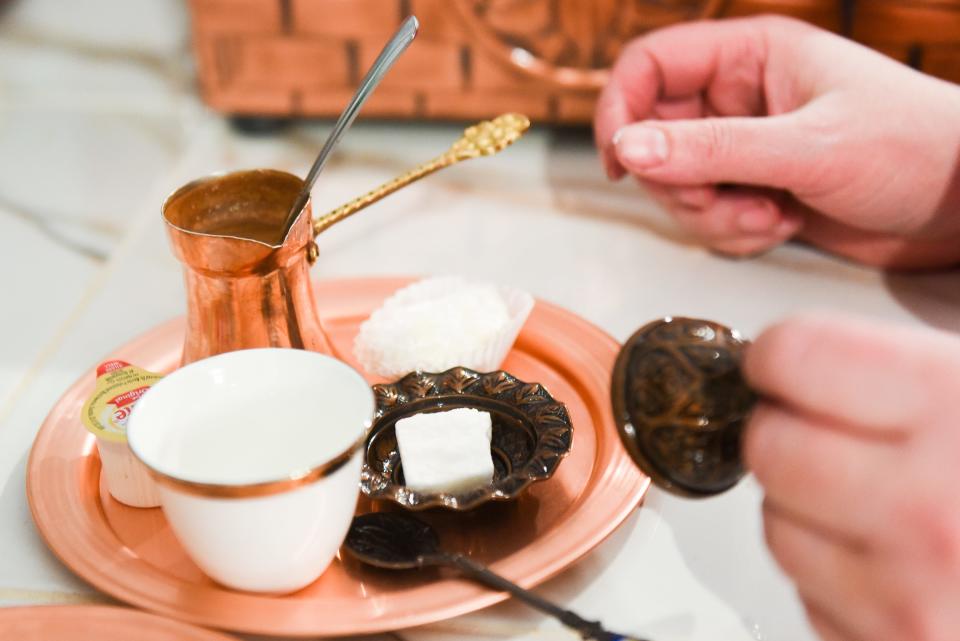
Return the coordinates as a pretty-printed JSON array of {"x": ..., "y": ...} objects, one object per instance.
[{"x": 446, "y": 451}]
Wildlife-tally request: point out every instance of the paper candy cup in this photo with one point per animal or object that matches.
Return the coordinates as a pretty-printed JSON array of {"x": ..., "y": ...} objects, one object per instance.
[{"x": 484, "y": 355}]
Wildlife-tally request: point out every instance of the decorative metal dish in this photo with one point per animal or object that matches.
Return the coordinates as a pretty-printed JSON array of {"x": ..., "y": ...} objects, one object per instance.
[{"x": 532, "y": 433}]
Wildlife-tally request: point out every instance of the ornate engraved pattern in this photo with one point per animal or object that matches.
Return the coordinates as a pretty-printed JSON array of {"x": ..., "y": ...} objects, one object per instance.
[
  {"x": 543, "y": 36},
  {"x": 681, "y": 401},
  {"x": 532, "y": 433}
]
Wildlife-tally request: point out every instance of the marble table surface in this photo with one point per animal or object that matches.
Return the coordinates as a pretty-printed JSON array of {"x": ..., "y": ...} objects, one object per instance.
[{"x": 99, "y": 121}]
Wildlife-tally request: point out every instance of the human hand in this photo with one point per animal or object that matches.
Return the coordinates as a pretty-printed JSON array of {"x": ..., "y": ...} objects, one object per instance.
[
  {"x": 754, "y": 131},
  {"x": 857, "y": 447}
]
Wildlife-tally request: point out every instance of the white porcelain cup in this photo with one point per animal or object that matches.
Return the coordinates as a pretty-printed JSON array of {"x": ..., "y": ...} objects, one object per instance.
[{"x": 257, "y": 457}]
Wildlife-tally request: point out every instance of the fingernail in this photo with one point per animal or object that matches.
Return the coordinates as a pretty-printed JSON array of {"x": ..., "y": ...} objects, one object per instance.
[
  {"x": 757, "y": 220},
  {"x": 641, "y": 147}
]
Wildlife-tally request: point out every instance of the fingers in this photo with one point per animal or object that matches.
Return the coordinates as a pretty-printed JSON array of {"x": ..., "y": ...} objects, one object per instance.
[
  {"x": 817, "y": 472},
  {"x": 680, "y": 108},
  {"x": 884, "y": 380},
  {"x": 857, "y": 462},
  {"x": 694, "y": 197},
  {"x": 698, "y": 198},
  {"x": 837, "y": 582},
  {"x": 737, "y": 222},
  {"x": 892, "y": 251},
  {"x": 775, "y": 151},
  {"x": 854, "y": 593},
  {"x": 723, "y": 60},
  {"x": 612, "y": 113},
  {"x": 687, "y": 59},
  {"x": 824, "y": 625}
]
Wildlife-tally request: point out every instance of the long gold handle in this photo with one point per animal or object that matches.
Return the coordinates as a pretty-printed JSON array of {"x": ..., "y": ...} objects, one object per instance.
[
  {"x": 384, "y": 190},
  {"x": 482, "y": 139}
]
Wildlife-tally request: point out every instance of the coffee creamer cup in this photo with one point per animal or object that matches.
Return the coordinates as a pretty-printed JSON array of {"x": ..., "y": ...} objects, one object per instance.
[{"x": 119, "y": 386}]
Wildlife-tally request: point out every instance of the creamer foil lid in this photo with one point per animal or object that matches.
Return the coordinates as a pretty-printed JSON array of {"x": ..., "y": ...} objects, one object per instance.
[{"x": 119, "y": 386}]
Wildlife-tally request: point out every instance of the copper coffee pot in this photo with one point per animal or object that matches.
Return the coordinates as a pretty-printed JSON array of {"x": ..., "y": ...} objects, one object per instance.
[
  {"x": 245, "y": 287},
  {"x": 249, "y": 287}
]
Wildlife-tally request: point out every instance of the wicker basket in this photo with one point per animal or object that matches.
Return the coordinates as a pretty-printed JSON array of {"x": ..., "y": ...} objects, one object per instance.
[{"x": 474, "y": 58}]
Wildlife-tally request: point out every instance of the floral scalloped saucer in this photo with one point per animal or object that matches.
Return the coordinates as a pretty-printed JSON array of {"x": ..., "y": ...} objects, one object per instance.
[{"x": 532, "y": 434}]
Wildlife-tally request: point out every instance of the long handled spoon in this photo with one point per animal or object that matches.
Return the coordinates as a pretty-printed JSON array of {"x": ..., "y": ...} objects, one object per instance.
[
  {"x": 401, "y": 542},
  {"x": 482, "y": 139},
  {"x": 396, "y": 46}
]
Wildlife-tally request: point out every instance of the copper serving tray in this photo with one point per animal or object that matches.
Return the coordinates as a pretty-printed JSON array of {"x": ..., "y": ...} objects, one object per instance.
[{"x": 132, "y": 555}]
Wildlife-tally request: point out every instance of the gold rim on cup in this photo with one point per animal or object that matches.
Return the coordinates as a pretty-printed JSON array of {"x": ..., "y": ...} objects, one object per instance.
[{"x": 260, "y": 488}]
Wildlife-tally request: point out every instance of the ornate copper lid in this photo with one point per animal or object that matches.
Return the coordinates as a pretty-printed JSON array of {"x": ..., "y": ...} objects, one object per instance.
[{"x": 680, "y": 402}]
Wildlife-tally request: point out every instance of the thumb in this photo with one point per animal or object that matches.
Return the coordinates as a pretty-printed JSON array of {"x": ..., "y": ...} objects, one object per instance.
[{"x": 773, "y": 151}]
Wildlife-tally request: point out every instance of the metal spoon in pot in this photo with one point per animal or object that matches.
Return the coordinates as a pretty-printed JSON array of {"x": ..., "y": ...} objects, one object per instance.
[
  {"x": 396, "y": 46},
  {"x": 401, "y": 542}
]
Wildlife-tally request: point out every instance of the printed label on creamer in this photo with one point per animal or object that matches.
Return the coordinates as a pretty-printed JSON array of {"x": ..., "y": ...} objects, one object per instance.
[{"x": 119, "y": 386}]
